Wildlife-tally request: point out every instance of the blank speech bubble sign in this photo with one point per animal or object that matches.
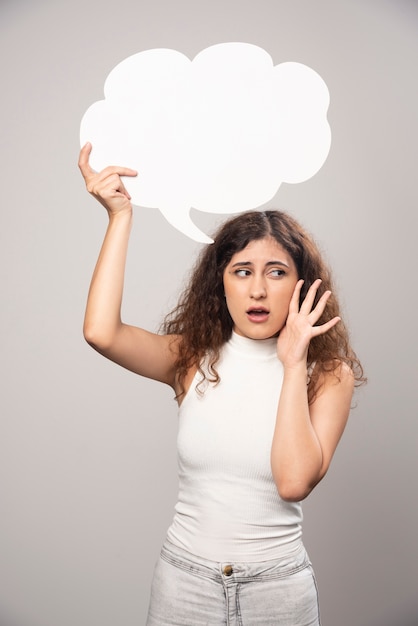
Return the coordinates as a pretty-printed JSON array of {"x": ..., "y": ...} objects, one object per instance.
[{"x": 219, "y": 133}]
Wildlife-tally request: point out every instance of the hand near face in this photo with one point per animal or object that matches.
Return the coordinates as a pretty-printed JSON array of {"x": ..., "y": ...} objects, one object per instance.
[
  {"x": 106, "y": 186},
  {"x": 294, "y": 338}
]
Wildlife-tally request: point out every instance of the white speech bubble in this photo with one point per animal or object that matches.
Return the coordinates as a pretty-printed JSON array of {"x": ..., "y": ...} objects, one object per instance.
[{"x": 219, "y": 133}]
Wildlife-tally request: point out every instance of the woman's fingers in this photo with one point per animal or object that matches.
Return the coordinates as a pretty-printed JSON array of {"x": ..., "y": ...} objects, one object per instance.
[
  {"x": 316, "y": 313},
  {"x": 324, "y": 328},
  {"x": 307, "y": 309},
  {"x": 307, "y": 304},
  {"x": 122, "y": 189},
  {"x": 88, "y": 172},
  {"x": 295, "y": 299},
  {"x": 83, "y": 161},
  {"x": 106, "y": 186}
]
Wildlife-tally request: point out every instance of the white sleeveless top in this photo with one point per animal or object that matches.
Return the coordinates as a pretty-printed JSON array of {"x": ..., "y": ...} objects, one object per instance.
[{"x": 228, "y": 506}]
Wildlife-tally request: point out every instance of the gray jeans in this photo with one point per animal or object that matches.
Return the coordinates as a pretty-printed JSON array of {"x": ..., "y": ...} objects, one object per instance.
[{"x": 189, "y": 591}]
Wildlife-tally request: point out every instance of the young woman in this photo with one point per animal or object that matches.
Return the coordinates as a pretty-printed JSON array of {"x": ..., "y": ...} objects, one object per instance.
[{"x": 263, "y": 373}]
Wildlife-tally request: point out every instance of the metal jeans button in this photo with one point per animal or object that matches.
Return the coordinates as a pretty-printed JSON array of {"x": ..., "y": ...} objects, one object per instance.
[{"x": 227, "y": 570}]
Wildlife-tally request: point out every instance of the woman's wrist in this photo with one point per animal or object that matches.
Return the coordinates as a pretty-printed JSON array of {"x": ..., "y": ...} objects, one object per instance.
[
  {"x": 120, "y": 216},
  {"x": 295, "y": 369}
]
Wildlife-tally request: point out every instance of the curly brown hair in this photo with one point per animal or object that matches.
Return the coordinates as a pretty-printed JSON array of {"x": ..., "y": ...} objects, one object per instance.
[{"x": 201, "y": 316}]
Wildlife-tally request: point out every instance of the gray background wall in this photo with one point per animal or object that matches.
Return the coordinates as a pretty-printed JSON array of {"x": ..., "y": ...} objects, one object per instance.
[{"x": 87, "y": 459}]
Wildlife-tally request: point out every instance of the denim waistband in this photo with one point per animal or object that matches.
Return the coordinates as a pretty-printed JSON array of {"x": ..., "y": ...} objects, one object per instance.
[{"x": 236, "y": 571}]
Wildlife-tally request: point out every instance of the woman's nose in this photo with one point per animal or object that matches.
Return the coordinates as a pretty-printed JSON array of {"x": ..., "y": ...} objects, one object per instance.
[{"x": 258, "y": 289}]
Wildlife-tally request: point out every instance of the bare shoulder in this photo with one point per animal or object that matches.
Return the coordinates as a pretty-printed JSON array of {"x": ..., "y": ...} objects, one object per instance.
[
  {"x": 330, "y": 410},
  {"x": 333, "y": 401},
  {"x": 342, "y": 378}
]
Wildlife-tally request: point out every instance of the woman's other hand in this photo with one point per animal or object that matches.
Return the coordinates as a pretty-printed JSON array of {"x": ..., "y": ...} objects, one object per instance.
[
  {"x": 293, "y": 341},
  {"x": 106, "y": 186}
]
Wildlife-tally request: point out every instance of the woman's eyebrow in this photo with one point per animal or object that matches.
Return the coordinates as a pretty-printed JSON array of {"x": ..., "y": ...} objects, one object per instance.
[
  {"x": 247, "y": 263},
  {"x": 278, "y": 263}
]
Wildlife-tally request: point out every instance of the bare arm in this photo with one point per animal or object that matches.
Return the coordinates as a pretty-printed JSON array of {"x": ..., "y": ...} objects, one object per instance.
[
  {"x": 138, "y": 350},
  {"x": 306, "y": 436}
]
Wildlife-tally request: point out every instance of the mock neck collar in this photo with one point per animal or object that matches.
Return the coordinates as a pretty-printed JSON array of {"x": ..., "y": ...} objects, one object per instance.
[{"x": 253, "y": 347}]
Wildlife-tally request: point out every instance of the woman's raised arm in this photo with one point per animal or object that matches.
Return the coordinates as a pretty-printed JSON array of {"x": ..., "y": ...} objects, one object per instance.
[
  {"x": 306, "y": 436},
  {"x": 136, "y": 349}
]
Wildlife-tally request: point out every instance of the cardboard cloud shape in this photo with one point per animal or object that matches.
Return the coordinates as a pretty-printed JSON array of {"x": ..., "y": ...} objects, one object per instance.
[{"x": 219, "y": 133}]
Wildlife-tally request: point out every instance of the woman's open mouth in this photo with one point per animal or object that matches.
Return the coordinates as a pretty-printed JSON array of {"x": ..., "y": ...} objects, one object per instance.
[{"x": 258, "y": 314}]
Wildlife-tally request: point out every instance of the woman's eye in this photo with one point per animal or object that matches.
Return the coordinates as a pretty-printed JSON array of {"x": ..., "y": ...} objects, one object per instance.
[
  {"x": 242, "y": 272},
  {"x": 276, "y": 273}
]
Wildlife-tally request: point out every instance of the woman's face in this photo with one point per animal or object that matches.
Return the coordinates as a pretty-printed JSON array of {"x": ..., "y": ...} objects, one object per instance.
[{"x": 259, "y": 282}]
